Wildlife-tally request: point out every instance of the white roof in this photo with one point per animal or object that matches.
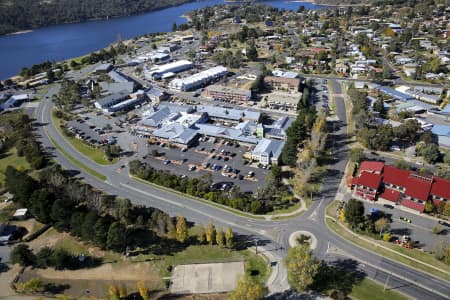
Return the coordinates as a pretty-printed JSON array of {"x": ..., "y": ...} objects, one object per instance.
[{"x": 20, "y": 212}]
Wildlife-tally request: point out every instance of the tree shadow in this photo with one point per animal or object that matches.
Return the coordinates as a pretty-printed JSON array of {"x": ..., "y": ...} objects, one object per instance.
[
  {"x": 340, "y": 275},
  {"x": 4, "y": 268},
  {"x": 54, "y": 288}
]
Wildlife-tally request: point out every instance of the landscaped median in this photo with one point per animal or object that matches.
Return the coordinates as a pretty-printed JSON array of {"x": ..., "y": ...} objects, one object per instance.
[
  {"x": 411, "y": 257},
  {"x": 76, "y": 162}
]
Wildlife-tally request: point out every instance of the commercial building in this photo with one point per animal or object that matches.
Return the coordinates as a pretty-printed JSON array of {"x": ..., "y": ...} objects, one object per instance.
[
  {"x": 111, "y": 100},
  {"x": 443, "y": 134},
  {"x": 290, "y": 85},
  {"x": 231, "y": 115},
  {"x": 267, "y": 151},
  {"x": 227, "y": 94},
  {"x": 377, "y": 181},
  {"x": 162, "y": 71},
  {"x": 197, "y": 80}
]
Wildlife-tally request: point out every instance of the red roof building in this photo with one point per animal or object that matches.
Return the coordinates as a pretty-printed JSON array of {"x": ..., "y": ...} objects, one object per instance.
[
  {"x": 413, "y": 205},
  {"x": 371, "y": 166},
  {"x": 390, "y": 195},
  {"x": 403, "y": 187},
  {"x": 440, "y": 190}
]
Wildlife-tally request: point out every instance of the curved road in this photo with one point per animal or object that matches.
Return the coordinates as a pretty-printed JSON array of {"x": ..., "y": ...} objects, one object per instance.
[{"x": 272, "y": 236}]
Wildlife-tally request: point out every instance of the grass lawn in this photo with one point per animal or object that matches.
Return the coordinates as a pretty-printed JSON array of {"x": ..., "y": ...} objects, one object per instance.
[
  {"x": 7, "y": 212},
  {"x": 413, "y": 253},
  {"x": 95, "y": 154},
  {"x": 77, "y": 163},
  {"x": 286, "y": 210},
  {"x": 370, "y": 290},
  {"x": 10, "y": 158}
]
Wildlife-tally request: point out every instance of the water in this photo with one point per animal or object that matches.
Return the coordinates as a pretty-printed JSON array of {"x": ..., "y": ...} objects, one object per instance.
[{"x": 60, "y": 42}]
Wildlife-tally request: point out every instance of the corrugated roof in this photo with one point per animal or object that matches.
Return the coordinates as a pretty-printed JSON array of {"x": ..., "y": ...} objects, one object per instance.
[
  {"x": 370, "y": 180},
  {"x": 390, "y": 195},
  {"x": 371, "y": 166},
  {"x": 441, "y": 130},
  {"x": 441, "y": 188},
  {"x": 413, "y": 205}
]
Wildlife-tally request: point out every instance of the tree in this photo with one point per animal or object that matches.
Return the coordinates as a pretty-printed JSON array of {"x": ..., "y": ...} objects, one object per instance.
[
  {"x": 252, "y": 53},
  {"x": 387, "y": 237},
  {"x": 447, "y": 209},
  {"x": 229, "y": 237},
  {"x": 182, "y": 232},
  {"x": 61, "y": 214},
  {"x": 381, "y": 225},
  {"x": 429, "y": 207},
  {"x": 301, "y": 267},
  {"x": 201, "y": 238},
  {"x": 31, "y": 286},
  {"x": 354, "y": 212},
  {"x": 22, "y": 255},
  {"x": 174, "y": 27},
  {"x": 440, "y": 248},
  {"x": 113, "y": 292},
  {"x": 219, "y": 236},
  {"x": 116, "y": 237},
  {"x": 430, "y": 153},
  {"x": 357, "y": 155},
  {"x": 100, "y": 232},
  {"x": 249, "y": 289},
  {"x": 90, "y": 220},
  {"x": 143, "y": 290},
  {"x": 210, "y": 233}
]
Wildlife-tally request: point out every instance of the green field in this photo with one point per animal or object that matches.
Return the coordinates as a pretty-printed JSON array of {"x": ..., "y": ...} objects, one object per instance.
[
  {"x": 370, "y": 290},
  {"x": 10, "y": 158}
]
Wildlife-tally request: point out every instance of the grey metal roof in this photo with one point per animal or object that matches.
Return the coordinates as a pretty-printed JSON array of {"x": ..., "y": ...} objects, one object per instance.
[
  {"x": 270, "y": 148},
  {"x": 112, "y": 99}
]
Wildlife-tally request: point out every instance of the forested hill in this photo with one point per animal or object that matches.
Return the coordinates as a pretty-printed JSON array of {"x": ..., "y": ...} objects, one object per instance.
[{"x": 17, "y": 15}]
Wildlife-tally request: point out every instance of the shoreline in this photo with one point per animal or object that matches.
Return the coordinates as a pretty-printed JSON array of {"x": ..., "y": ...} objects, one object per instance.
[{"x": 19, "y": 32}]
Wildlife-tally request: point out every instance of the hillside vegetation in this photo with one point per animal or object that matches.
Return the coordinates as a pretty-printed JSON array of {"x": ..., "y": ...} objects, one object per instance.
[{"x": 20, "y": 15}]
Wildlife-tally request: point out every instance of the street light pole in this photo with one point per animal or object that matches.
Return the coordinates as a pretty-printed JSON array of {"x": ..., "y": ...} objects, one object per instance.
[
  {"x": 256, "y": 246},
  {"x": 387, "y": 280}
]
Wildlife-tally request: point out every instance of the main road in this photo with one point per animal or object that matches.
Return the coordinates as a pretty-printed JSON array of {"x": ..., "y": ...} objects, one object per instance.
[{"x": 272, "y": 236}]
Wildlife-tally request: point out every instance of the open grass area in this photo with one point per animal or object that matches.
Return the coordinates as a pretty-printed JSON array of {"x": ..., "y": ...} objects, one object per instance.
[
  {"x": 370, "y": 290},
  {"x": 7, "y": 211},
  {"x": 394, "y": 254},
  {"x": 95, "y": 154},
  {"x": 77, "y": 163},
  {"x": 290, "y": 209},
  {"x": 11, "y": 158}
]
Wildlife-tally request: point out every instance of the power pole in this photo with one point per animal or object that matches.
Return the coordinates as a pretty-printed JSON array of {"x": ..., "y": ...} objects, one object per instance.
[{"x": 386, "y": 282}]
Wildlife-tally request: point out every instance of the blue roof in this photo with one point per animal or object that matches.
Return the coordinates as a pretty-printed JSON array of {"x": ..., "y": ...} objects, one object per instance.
[
  {"x": 443, "y": 130},
  {"x": 395, "y": 94},
  {"x": 446, "y": 109}
]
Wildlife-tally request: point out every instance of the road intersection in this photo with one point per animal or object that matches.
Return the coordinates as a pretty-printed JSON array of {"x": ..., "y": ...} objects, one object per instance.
[{"x": 272, "y": 235}]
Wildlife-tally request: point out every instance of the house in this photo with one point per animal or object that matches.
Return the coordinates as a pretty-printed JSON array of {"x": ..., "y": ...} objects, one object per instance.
[
  {"x": 156, "y": 95},
  {"x": 267, "y": 151},
  {"x": 290, "y": 85},
  {"x": 103, "y": 69},
  {"x": 410, "y": 69},
  {"x": 21, "y": 214},
  {"x": 199, "y": 79}
]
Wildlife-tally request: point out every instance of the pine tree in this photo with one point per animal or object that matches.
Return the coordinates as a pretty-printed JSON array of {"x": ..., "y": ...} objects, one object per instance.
[
  {"x": 229, "y": 237},
  {"x": 219, "y": 236},
  {"x": 201, "y": 234},
  {"x": 182, "y": 232},
  {"x": 210, "y": 233}
]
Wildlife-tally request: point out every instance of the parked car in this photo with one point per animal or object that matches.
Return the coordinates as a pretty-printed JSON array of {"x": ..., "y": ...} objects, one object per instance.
[
  {"x": 444, "y": 223},
  {"x": 166, "y": 162},
  {"x": 405, "y": 219},
  {"x": 388, "y": 206}
]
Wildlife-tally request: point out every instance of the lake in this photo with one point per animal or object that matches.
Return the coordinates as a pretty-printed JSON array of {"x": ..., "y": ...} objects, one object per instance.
[{"x": 60, "y": 42}]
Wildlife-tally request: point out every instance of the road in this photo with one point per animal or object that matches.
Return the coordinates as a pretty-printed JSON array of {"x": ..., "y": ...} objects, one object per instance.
[{"x": 272, "y": 236}]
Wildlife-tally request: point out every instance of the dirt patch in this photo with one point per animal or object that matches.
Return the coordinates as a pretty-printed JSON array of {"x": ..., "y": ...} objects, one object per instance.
[{"x": 96, "y": 281}]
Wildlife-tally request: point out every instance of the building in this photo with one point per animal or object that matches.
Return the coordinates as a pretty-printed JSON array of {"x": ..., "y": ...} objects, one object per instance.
[
  {"x": 166, "y": 70},
  {"x": 176, "y": 134},
  {"x": 278, "y": 129},
  {"x": 230, "y": 115},
  {"x": 14, "y": 101},
  {"x": 111, "y": 100},
  {"x": 104, "y": 68},
  {"x": 197, "y": 80},
  {"x": 156, "y": 95},
  {"x": 377, "y": 181},
  {"x": 227, "y": 94},
  {"x": 290, "y": 85},
  {"x": 443, "y": 134},
  {"x": 21, "y": 214},
  {"x": 267, "y": 151}
]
